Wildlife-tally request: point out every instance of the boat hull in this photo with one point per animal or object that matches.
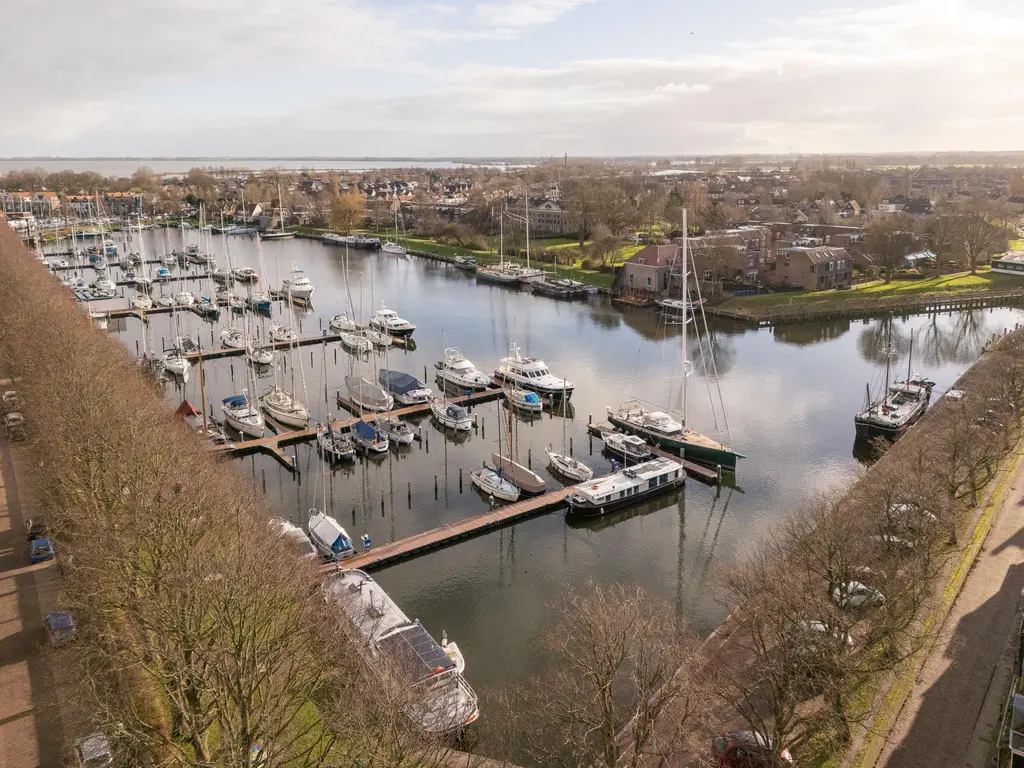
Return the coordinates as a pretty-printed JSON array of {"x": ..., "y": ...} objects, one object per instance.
[
  {"x": 552, "y": 394},
  {"x": 588, "y": 509},
  {"x": 692, "y": 450}
]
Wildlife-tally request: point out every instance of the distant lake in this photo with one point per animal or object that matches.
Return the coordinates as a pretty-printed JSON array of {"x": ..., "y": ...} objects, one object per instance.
[{"x": 126, "y": 167}]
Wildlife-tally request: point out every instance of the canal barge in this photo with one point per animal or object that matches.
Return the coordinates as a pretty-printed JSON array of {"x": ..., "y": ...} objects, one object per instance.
[
  {"x": 625, "y": 487},
  {"x": 436, "y": 697}
]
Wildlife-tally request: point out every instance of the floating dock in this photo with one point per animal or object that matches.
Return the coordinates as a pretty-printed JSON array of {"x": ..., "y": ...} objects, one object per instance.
[
  {"x": 421, "y": 543},
  {"x": 274, "y": 444}
]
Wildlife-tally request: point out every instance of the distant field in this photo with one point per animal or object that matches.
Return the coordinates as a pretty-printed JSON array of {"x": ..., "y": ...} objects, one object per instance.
[{"x": 985, "y": 280}]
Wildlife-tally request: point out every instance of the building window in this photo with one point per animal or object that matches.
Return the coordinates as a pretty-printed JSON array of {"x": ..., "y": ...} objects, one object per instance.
[
  {"x": 708, "y": 275},
  {"x": 648, "y": 281}
]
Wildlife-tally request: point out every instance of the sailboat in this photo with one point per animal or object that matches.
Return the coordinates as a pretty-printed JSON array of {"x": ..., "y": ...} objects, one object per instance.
[
  {"x": 567, "y": 465},
  {"x": 333, "y": 444},
  {"x": 524, "y": 478},
  {"x": 900, "y": 404},
  {"x": 241, "y": 414},
  {"x": 500, "y": 273},
  {"x": 392, "y": 246},
  {"x": 279, "y": 403},
  {"x": 492, "y": 481},
  {"x": 658, "y": 427}
]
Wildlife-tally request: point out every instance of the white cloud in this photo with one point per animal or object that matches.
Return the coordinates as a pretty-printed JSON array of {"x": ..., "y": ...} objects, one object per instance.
[{"x": 524, "y": 13}]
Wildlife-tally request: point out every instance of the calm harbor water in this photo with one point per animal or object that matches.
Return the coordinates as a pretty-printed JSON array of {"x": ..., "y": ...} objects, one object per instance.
[{"x": 791, "y": 394}]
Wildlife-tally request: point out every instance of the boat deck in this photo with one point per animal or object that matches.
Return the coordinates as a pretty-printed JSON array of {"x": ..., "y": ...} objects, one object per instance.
[
  {"x": 421, "y": 543},
  {"x": 273, "y": 444},
  {"x": 697, "y": 471}
]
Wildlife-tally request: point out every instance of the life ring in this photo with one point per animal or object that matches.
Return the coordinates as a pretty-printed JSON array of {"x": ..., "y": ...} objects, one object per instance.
[{"x": 594, "y": 487}]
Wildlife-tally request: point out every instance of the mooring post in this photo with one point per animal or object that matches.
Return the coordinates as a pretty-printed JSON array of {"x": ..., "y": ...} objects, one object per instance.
[
  {"x": 435, "y": 487},
  {"x": 460, "y": 479},
  {"x": 570, "y": 446},
  {"x": 718, "y": 474},
  {"x": 529, "y": 458},
  {"x": 408, "y": 492}
]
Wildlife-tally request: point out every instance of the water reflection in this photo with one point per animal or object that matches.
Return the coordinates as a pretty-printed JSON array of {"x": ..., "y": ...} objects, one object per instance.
[{"x": 805, "y": 334}]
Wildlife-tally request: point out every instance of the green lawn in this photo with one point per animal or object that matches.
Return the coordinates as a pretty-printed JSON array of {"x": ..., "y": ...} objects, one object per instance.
[{"x": 984, "y": 280}]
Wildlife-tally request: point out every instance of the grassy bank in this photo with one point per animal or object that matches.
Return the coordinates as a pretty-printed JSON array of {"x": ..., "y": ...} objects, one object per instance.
[{"x": 885, "y": 295}]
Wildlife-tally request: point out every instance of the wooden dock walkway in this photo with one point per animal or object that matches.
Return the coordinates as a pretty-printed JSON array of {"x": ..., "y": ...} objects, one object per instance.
[
  {"x": 421, "y": 543},
  {"x": 273, "y": 444},
  {"x": 697, "y": 471}
]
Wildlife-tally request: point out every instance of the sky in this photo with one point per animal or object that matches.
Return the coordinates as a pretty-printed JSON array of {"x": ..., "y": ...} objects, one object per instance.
[{"x": 537, "y": 78}]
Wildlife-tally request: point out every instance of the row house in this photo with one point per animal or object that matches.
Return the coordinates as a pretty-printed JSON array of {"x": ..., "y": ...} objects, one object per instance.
[
  {"x": 811, "y": 269},
  {"x": 43, "y": 205},
  {"x": 123, "y": 203},
  {"x": 649, "y": 272},
  {"x": 734, "y": 255}
]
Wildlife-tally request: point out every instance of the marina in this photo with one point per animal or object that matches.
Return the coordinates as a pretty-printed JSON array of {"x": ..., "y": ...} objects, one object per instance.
[{"x": 438, "y": 548}]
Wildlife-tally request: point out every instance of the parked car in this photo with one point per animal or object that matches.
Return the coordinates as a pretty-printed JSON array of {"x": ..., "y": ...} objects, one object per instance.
[
  {"x": 36, "y": 528},
  {"x": 855, "y": 594},
  {"x": 93, "y": 751},
  {"x": 747, "y": 749},
  {"x": 813, "y": 631},
  {"x": 60, "y": 627},
  {"x": 911, "y": 515},
  {"x": 14, "y": 423},
  {"x": 40, "y": 550},
  {"x": 9, "y": 401},
  {"x": 895, "y": 543}
]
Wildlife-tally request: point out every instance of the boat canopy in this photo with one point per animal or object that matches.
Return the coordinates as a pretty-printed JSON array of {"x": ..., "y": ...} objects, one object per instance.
[
  {"x": 365, "y": 430},
  {"x": 456, "y": 412},
  {"x": 398, "y": 382},
  {"x": 236, "y": 401},
  {"x": 327, "y": 529},
  {"x": 531, "y": 397}
]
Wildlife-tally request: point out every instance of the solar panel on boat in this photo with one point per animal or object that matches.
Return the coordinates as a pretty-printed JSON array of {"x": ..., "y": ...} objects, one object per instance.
[{"x": 415, "y": 653}]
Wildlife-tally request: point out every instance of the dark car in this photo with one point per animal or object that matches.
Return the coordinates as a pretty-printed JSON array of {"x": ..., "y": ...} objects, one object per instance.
[
  {"x": 746, "y": 749},
  {"x": 60, "y": 627},
  {"x": 35, "y": 528},
  {"x": 40, "y": 550}
]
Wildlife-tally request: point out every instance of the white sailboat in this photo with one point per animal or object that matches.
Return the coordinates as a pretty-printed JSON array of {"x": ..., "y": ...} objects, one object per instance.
[
  {"x": 241, "y": 414},
  {"x": 567, "y": 465},
  {"x": 393, "y": 247},
  {"x": 279, "y": 403}
]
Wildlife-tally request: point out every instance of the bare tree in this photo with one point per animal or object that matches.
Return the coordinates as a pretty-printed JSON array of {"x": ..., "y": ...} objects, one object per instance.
[
  {"x": 889, "y": 240},
  {"x": 626, "y": 666},
  {"x": 978, "y": 235},
  {"x": 581, "y": 198}
]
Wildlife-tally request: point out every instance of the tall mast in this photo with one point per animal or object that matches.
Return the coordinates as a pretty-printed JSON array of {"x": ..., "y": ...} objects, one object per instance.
[
  {"x": 202, "y": 388},
  {"x": 527, "y": 212},
  {"x": 910, "y": 358},
  {"x": 501, "y": 235},
  {"x": 686, "y": 266}
]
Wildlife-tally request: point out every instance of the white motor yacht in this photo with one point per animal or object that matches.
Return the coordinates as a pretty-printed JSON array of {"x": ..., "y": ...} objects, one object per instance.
[
  {"x": 283, "y": 407},
  {"x": 387, "y": 321},
  {"x": 297, "y": 284},
  {"x": 630, "y": 448},
  {"x": 456, "y": 369},
  {"x": 244, "y": 274},
  {"x": 240, "y": 413},
  {"x": 531, "y": 373},
  {"x": 104, "y": 284}
]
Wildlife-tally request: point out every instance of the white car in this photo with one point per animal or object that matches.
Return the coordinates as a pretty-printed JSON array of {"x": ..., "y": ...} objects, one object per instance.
[
  {"x": 816, "y": 627},
  {"x": 911, "y": 513},
  {"x": 894, "y": 542},
  {"x": 854, "y": 594}
]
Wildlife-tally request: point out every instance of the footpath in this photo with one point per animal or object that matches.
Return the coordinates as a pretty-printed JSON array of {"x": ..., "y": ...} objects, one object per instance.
[
  {"x": 31, "y": 728},
  {"x": 953, "y": 712}
]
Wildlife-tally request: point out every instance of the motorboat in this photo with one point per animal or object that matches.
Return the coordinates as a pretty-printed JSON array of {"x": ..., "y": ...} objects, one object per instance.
[
  {"x": 456, "y": 369},
  {"x": 104, "y": 284},
  {"x": 342, "y": 323},
  {"x": 404, "y": 387},
  {"x": 283, "y": 407},
  {"x": 236, "y": 303},
  {"x": 627, "y": 486},
  {"x": 370, "y": 438},
  {"x": 450, "y": 415},
  {"x": 569, "y": 467},
  {"x": 184, "y": 299},
  {"x": 531, "y": 373},
  {"x": 365, "y": 395},
  {"x": 142, "y": 302},
  {"x": 169, "y": 259},
  {"x": 490, "y": 481},
  {"x": 357, "y": 342},
  {"x": 193, "y": 255},
  {"x": 240, "y": 413},
  {"x": 165, "y": 300},
  {"x": 233, "y": 338},
  {"x": 282, "y": 332},
  {"x": 245, "y": 274},
  {"x": 260, "y": 301},
  {"x": 163, "y": 273},
  {"x": 524, "y": 400},
  {"x": 294, "y": 537},
  {"x": 393, "y": 248},
  {"x": 221, "y": 274},
  {"x": 259, "y": 355},
  {"x": 436, "y": 697},
  {"x": 525, "y": 479},
  {"x": 334, "y": 444},
  {"x": 397, "y": 431},
  {"x": 277, "y": 234},
  {"x": 466, "y": 263},
  {"x": 59, "y": 264},
  {"x": 297, "y": 284},
  {"x": 330, "y": 539},
  {"x": 376, "y": 338},
  {"x": 97, "y": 262},
  {"x": 143, "y": 283},
  {"x": 387, "y": 321},
  {"x": 629, "y": 448}
]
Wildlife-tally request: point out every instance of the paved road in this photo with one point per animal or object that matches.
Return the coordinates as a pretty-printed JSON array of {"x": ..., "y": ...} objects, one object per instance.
[
  {"x": 956, "y": 704},
  {"x": 31, "y": 733}
]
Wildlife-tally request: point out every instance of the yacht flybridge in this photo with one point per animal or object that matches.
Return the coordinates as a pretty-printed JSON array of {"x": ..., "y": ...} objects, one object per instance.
[{"x": 532, "y": 373}]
